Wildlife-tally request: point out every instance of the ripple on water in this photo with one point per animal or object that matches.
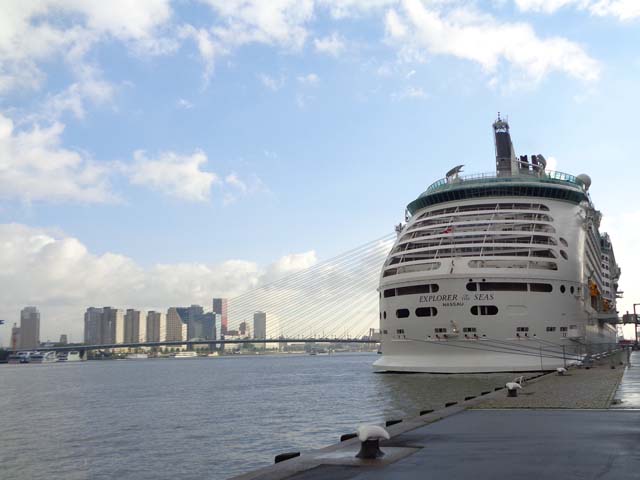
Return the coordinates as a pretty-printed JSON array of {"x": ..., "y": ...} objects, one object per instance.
[{"x": 200, "y": 418}]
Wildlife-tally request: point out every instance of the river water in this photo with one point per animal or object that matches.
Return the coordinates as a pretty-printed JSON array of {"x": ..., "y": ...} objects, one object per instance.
[{"x": 204, "y": 418}]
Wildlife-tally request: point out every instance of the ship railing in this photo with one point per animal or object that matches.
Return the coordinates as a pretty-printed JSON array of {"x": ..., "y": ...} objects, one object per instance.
[{"x": 545, "y": 177}]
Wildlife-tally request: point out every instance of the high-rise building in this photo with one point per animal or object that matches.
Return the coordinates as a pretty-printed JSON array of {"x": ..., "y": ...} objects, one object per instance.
[
  {"x": 63, "y": 339},
  {"x": 260, "y": 325},
  {"x": 135, "y": 326},
  {"x": 217, "y": 326},
  {"x": 243, "y": 328},
  {"x": 112, "y": 326},
  {"x": 154, "y": 325},
  {"x": 15, "y": 337},
  {"x": 172, "y": 331},
  {"x": 200, "y": 325},
  {"x": 92, "y": 325},
  {"x": 29, "y": 328},
  {"x": 220, "y": 307}
]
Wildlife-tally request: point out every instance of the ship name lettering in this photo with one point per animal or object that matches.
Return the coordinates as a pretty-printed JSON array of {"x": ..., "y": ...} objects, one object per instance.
[
  {"x": 451, "y": 297},
  {"x": 483, "y": 296}
]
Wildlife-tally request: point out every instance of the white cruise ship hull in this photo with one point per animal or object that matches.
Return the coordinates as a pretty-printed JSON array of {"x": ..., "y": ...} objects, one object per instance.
[{"x": 502, "y": 272}]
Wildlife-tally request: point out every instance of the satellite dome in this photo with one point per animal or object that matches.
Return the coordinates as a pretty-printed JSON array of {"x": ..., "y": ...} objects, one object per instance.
[{"x": 586, "y": 179}]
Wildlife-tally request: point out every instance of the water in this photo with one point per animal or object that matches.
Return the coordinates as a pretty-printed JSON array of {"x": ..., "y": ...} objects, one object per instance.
[{"x": 198, "y": 418}]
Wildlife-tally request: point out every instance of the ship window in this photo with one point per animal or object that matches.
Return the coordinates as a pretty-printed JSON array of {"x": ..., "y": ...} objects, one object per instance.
[
  {"x": 502, "y": 287},
  {"x": 551, "y": 329},
  {"x": 563, "y": 242},
  {"x": 522, "y": 329},
  {"x": 484, "y": 310},
  {"x": 572, "y": 290},
  {"x": 402, "y": 313},
  {"x": 391, "y": 292},
  {"x": 426, "y": 312},
  {"x": 413, "y": 290},
  {"x": 573, "y": 327},
  {"x": 384, "y": 315},
  {"x": 470, "y": 329},
  {"x": 440, "y": 330},
  {"x": 540, "y": 287},
  {"x": 472, "y": 287},
  {"x": 400, "y": 331},
  {"x": 563, "y": 288},
  {"x": 563, "y": 329},
  {"x": 564, "y": 255},
  {"x": 434, "y": 287},
  {"x": 384, "y": 332}
]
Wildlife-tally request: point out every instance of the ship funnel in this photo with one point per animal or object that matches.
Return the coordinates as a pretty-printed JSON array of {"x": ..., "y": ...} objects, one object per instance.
[{"x": 505, "y": 155}]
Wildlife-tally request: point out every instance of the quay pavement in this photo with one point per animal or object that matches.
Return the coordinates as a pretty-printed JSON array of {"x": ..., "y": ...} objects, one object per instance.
[{"x": 557, "y": 427}]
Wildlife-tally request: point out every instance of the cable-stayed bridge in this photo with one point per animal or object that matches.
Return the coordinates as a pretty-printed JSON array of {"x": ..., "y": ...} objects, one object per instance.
[
  {"x": 336, "y": 298},
  {"x": 333, "y": 301}
]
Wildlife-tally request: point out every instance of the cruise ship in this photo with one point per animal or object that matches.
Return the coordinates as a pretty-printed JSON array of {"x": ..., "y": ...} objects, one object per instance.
[{"x": 498, "y": 272}]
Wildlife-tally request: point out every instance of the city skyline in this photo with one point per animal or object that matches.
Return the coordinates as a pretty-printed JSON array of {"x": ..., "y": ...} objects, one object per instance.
[{"x": 294, "y": 132}]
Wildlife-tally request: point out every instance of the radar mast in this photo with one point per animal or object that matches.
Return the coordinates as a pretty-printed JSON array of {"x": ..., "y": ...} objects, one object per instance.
[{"x": 506, "y": 162}]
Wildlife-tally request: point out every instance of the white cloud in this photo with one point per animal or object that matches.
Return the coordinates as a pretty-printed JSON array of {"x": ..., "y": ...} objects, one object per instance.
[
  {"x": 89, "y": 87},
  {"x": 467, "y": 34},
  {"x": 332, "y": 45},
  {"x": 34, "y": 166},
  {"x": 206, "y": 48},
  {"x": 310, "y": 79},
  {"x": 34, "y": 32},
  {"x": 236, "y": 187},
  {"x": 353, "y": 8},
  {"x": 59, "y": 275},
  {"x": 173, "y": 174},
  {"x": 184, "y": 104},
  {"x": 621, "y": 9},
  {"x": 410, "y": 93},
  {"x": 272, "y": 83},
  {"x": 273, "y": 22}
]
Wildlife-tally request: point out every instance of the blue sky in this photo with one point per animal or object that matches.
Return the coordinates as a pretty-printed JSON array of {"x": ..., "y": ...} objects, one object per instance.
[{"x": 195, "y": 147}]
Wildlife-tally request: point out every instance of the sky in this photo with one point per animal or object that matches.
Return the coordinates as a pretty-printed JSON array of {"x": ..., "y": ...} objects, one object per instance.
[{"x": 158, "y": 152}]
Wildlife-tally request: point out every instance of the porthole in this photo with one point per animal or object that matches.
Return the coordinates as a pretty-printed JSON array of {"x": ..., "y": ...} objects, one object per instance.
[
  {"x": 384, "y": 315},
  {"x": 564, "y": 255},
  {"x": 572, "y": 290},
  {"x": 562, "y": 289},
  {"x": 484, "y": 310},
  {"x": 402, "y": 313},
  {"x": 563, "y": 242}
]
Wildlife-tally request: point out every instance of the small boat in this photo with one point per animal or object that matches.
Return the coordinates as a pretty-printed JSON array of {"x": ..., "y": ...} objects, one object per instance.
[
  {"x": 137, "y": 356},
  {"x": 43, "y": 357},
  {"x": 16, "y": 358},
  {"x": 74, "y": 356},
  {"x": 186, "y": 355}
]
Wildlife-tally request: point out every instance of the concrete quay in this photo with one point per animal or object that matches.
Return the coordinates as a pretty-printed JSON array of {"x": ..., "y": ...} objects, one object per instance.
[{"x": 557, "y": 427}]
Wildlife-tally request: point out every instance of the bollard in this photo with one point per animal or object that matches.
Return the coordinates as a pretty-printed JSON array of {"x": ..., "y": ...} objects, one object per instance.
[
  {"x": 512, "y": 389},
  {"x": 286, "y": 456},
  {"x": 370, "y": 436}
]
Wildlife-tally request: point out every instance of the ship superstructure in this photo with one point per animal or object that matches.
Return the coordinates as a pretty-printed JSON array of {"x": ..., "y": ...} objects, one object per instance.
[{"x": 504, "y": 271}]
